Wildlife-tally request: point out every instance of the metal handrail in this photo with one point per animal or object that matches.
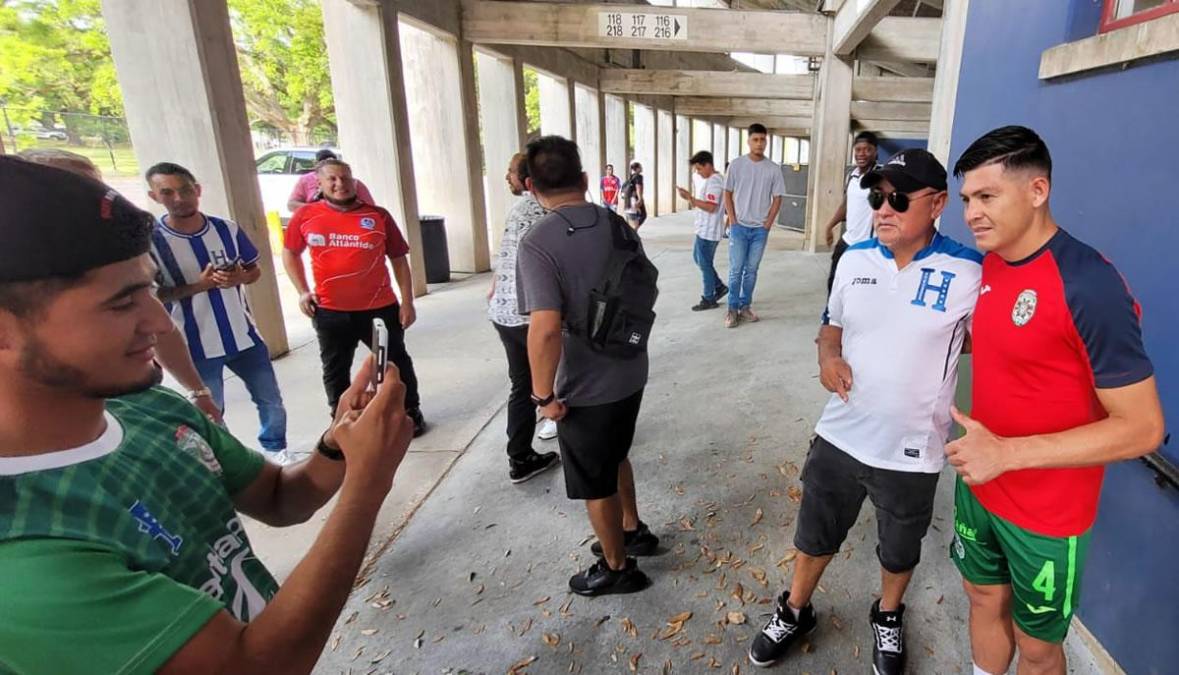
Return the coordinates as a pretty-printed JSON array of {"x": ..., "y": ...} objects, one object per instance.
[{"x": 1165, "y": 471}]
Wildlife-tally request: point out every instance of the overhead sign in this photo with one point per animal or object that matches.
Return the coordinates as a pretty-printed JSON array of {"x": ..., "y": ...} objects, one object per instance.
[{"x": 642, "y": 26}]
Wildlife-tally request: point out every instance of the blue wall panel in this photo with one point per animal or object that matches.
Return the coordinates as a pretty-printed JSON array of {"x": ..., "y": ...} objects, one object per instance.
[{"x": 1113, "y": 137}]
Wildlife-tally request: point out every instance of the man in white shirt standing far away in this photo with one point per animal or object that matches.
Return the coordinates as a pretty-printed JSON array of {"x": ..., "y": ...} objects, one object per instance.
[
  {"x": 854, "y": 211},
  {"x": 710, "y": 227},
  {"x": 888, "y": 351}
]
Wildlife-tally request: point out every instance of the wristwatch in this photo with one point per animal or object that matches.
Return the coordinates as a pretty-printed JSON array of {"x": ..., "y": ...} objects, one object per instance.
[
  {"x": 331, "y": 453},
  {"x": 542, "y": 402},
  {"x": 199, "y": 393}
]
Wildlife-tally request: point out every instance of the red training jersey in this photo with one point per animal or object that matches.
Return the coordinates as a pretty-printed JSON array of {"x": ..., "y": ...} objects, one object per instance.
[
  {"x": 1048, "y": 332},
  {"x": 610, "y": 187},
  {"x": 348, "y": 250}
]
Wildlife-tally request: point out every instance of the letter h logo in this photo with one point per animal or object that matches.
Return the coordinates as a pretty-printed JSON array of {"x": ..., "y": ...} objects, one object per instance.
[{"x": 942, "y": 291}]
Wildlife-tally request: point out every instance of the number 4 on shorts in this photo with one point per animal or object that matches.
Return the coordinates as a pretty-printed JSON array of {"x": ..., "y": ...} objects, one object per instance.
[{"x": 1045, "y": 581}]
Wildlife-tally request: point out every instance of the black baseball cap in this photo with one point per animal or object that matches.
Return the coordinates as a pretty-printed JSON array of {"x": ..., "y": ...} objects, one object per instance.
[
  {"x": 909, "y": 171},
  {"x": 56, "y": 223}
]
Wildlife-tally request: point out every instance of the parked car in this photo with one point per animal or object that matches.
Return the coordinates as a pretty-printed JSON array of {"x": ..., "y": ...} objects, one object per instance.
[
  {"x": 51, "y": 135},
  {"x": 278, "y": 171}
]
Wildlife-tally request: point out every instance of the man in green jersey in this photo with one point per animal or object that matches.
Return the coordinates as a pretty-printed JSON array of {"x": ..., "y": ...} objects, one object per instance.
[{"x": 121, "y": 545}]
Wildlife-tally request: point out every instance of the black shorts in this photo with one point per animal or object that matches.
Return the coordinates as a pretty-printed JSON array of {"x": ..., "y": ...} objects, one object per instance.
[
  {"x": 594, "y": 441},
  {"x": 834, "y": 486}
]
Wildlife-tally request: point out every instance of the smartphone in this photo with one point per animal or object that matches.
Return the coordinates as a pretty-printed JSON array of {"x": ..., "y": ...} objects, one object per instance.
[{"x": 380, "y": 347}]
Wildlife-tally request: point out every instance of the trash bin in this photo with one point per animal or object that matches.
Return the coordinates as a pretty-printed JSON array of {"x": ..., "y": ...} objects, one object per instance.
[{"x": 434, "y": 249}]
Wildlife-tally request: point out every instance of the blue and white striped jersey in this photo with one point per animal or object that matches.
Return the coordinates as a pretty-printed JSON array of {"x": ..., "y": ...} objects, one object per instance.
[{"x": 218, "y": 322}]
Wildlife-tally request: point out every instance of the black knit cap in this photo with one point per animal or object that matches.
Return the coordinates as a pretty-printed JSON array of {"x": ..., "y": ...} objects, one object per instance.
[{"x": 54, "y": 223}]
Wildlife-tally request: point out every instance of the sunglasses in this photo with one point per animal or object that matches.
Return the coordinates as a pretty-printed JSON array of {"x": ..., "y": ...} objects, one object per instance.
[{"x": 899, "y": 201}]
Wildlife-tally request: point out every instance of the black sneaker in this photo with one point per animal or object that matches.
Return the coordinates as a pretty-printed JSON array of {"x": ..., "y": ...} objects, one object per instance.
[
  {"x": 888, "y": 629},
  {"x": 721, "y": 292},
  {"x": 533, "y": 463},
  {"x": 599, "y": 579},
  {"x": 704, "y": 304},
  {"x": 775, "y": 639},
  {"x": 641, "y": 542},
  {"x": 419, "y": 422}
]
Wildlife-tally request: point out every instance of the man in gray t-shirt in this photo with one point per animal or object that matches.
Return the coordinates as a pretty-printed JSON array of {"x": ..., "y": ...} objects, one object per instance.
[
  {"x": 594, "y": 398},
  {"x": 754, "y": 188}
]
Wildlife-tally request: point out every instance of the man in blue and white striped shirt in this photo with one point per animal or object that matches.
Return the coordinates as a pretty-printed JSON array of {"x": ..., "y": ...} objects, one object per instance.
[{"x": 204, "y": 264}]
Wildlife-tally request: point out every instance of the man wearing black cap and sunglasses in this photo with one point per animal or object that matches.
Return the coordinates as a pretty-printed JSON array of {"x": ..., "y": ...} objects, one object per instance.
[{"x": 888, "y": 348}]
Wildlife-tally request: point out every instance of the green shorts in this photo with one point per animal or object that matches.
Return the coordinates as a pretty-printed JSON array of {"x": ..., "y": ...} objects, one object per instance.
[{"x": 1044, "y": 572}]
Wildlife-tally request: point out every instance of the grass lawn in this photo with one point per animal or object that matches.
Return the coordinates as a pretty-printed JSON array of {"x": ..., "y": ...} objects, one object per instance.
[{"x": 123, "y": 164}]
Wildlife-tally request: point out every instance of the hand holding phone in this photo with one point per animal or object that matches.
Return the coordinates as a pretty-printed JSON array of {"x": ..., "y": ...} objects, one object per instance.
[{"x": 380, "y": 349}]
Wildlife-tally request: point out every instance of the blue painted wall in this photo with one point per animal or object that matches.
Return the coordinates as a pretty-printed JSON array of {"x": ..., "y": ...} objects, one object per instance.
[{"x": 1113, "y": 137}]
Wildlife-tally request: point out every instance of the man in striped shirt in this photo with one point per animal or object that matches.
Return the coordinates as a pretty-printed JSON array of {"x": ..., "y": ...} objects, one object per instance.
[{"x": 204, "y": 264}]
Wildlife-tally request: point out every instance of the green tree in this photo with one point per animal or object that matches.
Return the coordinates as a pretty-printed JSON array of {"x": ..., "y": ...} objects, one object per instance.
[
  {"x": 284, "y": 66},
  {"x": 55, "y": 56},
  {"x": 532, "y": 101}
]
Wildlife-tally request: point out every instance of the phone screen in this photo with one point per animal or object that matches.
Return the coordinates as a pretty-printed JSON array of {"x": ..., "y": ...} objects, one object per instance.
[{"x": 380, "y": 347}]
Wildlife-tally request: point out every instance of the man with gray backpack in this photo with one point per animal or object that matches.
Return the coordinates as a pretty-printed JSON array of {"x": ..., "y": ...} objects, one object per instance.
[{"x": 589, "y": 290}]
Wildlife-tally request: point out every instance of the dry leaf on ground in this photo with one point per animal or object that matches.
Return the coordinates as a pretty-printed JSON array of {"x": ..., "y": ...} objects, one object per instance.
[
  {"x": 518, "y": 667},
  {"x": 736, "y": 618},
  {"x": 757, "y": 516},
  {"x": 551, "y": 639}
]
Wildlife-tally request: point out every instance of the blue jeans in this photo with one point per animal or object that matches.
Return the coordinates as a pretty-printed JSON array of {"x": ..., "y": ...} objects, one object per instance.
[
  {"x": 704, "y": 252},
  {"x": 746, "y": 246},
  {"x": 253, "y": 366}
]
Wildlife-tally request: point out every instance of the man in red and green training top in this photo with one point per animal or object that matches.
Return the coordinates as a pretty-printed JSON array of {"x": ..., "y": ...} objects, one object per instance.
[{"x": 1062, "y": 387}]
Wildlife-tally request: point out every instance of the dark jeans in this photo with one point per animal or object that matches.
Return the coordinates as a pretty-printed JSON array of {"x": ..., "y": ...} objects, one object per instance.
[
  {"x": 521, "y": 411},
  {"x": 340, "y": 332},
  {"x": 704, "y": 253},
  {"x": 836, "y": 254}
]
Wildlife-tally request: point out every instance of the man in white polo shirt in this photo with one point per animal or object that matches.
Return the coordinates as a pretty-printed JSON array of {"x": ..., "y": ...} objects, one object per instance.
[
  {"x": 888, "y": 351},
  {"x": 710, "y": 227},
  {"x": 854, "y": 211}
]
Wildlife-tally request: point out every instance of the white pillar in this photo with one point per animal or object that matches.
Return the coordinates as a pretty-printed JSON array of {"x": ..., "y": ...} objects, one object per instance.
[
  {"x": 201, "y": 124},
  {"x": 645, "y": 154},
  {"x": 734, "y": 147},
  {"x": 720, "y": 141},
  {"x": 683, "y": 152},
  {"x": 616, "y": 134},
  {"x": 701, "y": 136},
  {"x": 589, "y": 136},
  {"x": 666, "y": 161},
  {"x": 554, "y": 106},
  {"x": 945, "y": 81},
  {"x": 831, "y": 126},
  {"x": 444, "y": 149},
  {"x": 371, "y": 112},
  {"x": 499, "y": 103}
]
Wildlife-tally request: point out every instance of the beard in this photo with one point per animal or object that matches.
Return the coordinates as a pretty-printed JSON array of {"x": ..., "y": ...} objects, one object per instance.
[
  {"x": 340, "y": 202},
  {"x": 37, "y": 364}
]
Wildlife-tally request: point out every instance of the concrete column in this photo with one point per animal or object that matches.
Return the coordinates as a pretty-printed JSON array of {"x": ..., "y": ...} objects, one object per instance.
[
  {"x": 645, "y": 154},
  {"x": 734, "y": 147},
  {"x": 589, "y": 136},
  {"x": 555, "y": 119},
  {"x": 447, "y": 144},
  {"x": 499, "y": 106},
  {"x": 602, "y": 152},
  {"x": 371, "y": 112},
  {"x": 701, "y": 136},
  {"x": 521, "y": 110},
  {"x": 683, "y": 152},
  {"x": 666, "y": 160},
  {"x": 201, "y": 125},
  {"x": 832, "y": 127},
  {"x": 945, "y": 81},
  {"x": 616, "y": 142},
  {"x": 720, "y": 140}
]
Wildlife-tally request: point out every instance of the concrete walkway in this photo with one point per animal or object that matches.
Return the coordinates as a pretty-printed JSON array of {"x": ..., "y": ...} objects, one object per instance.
[{"x": 475, "y": 581}]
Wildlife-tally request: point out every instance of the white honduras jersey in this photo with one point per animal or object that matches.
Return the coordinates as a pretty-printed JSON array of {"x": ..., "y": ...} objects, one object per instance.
[
  {"x": 902, "y": 335},
  {"x": 218, "y": 322}
]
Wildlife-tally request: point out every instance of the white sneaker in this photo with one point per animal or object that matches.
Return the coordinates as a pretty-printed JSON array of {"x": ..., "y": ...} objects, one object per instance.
[
  {"x": 281, "y": 457},
  {"x": 548, "y": 430}
]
